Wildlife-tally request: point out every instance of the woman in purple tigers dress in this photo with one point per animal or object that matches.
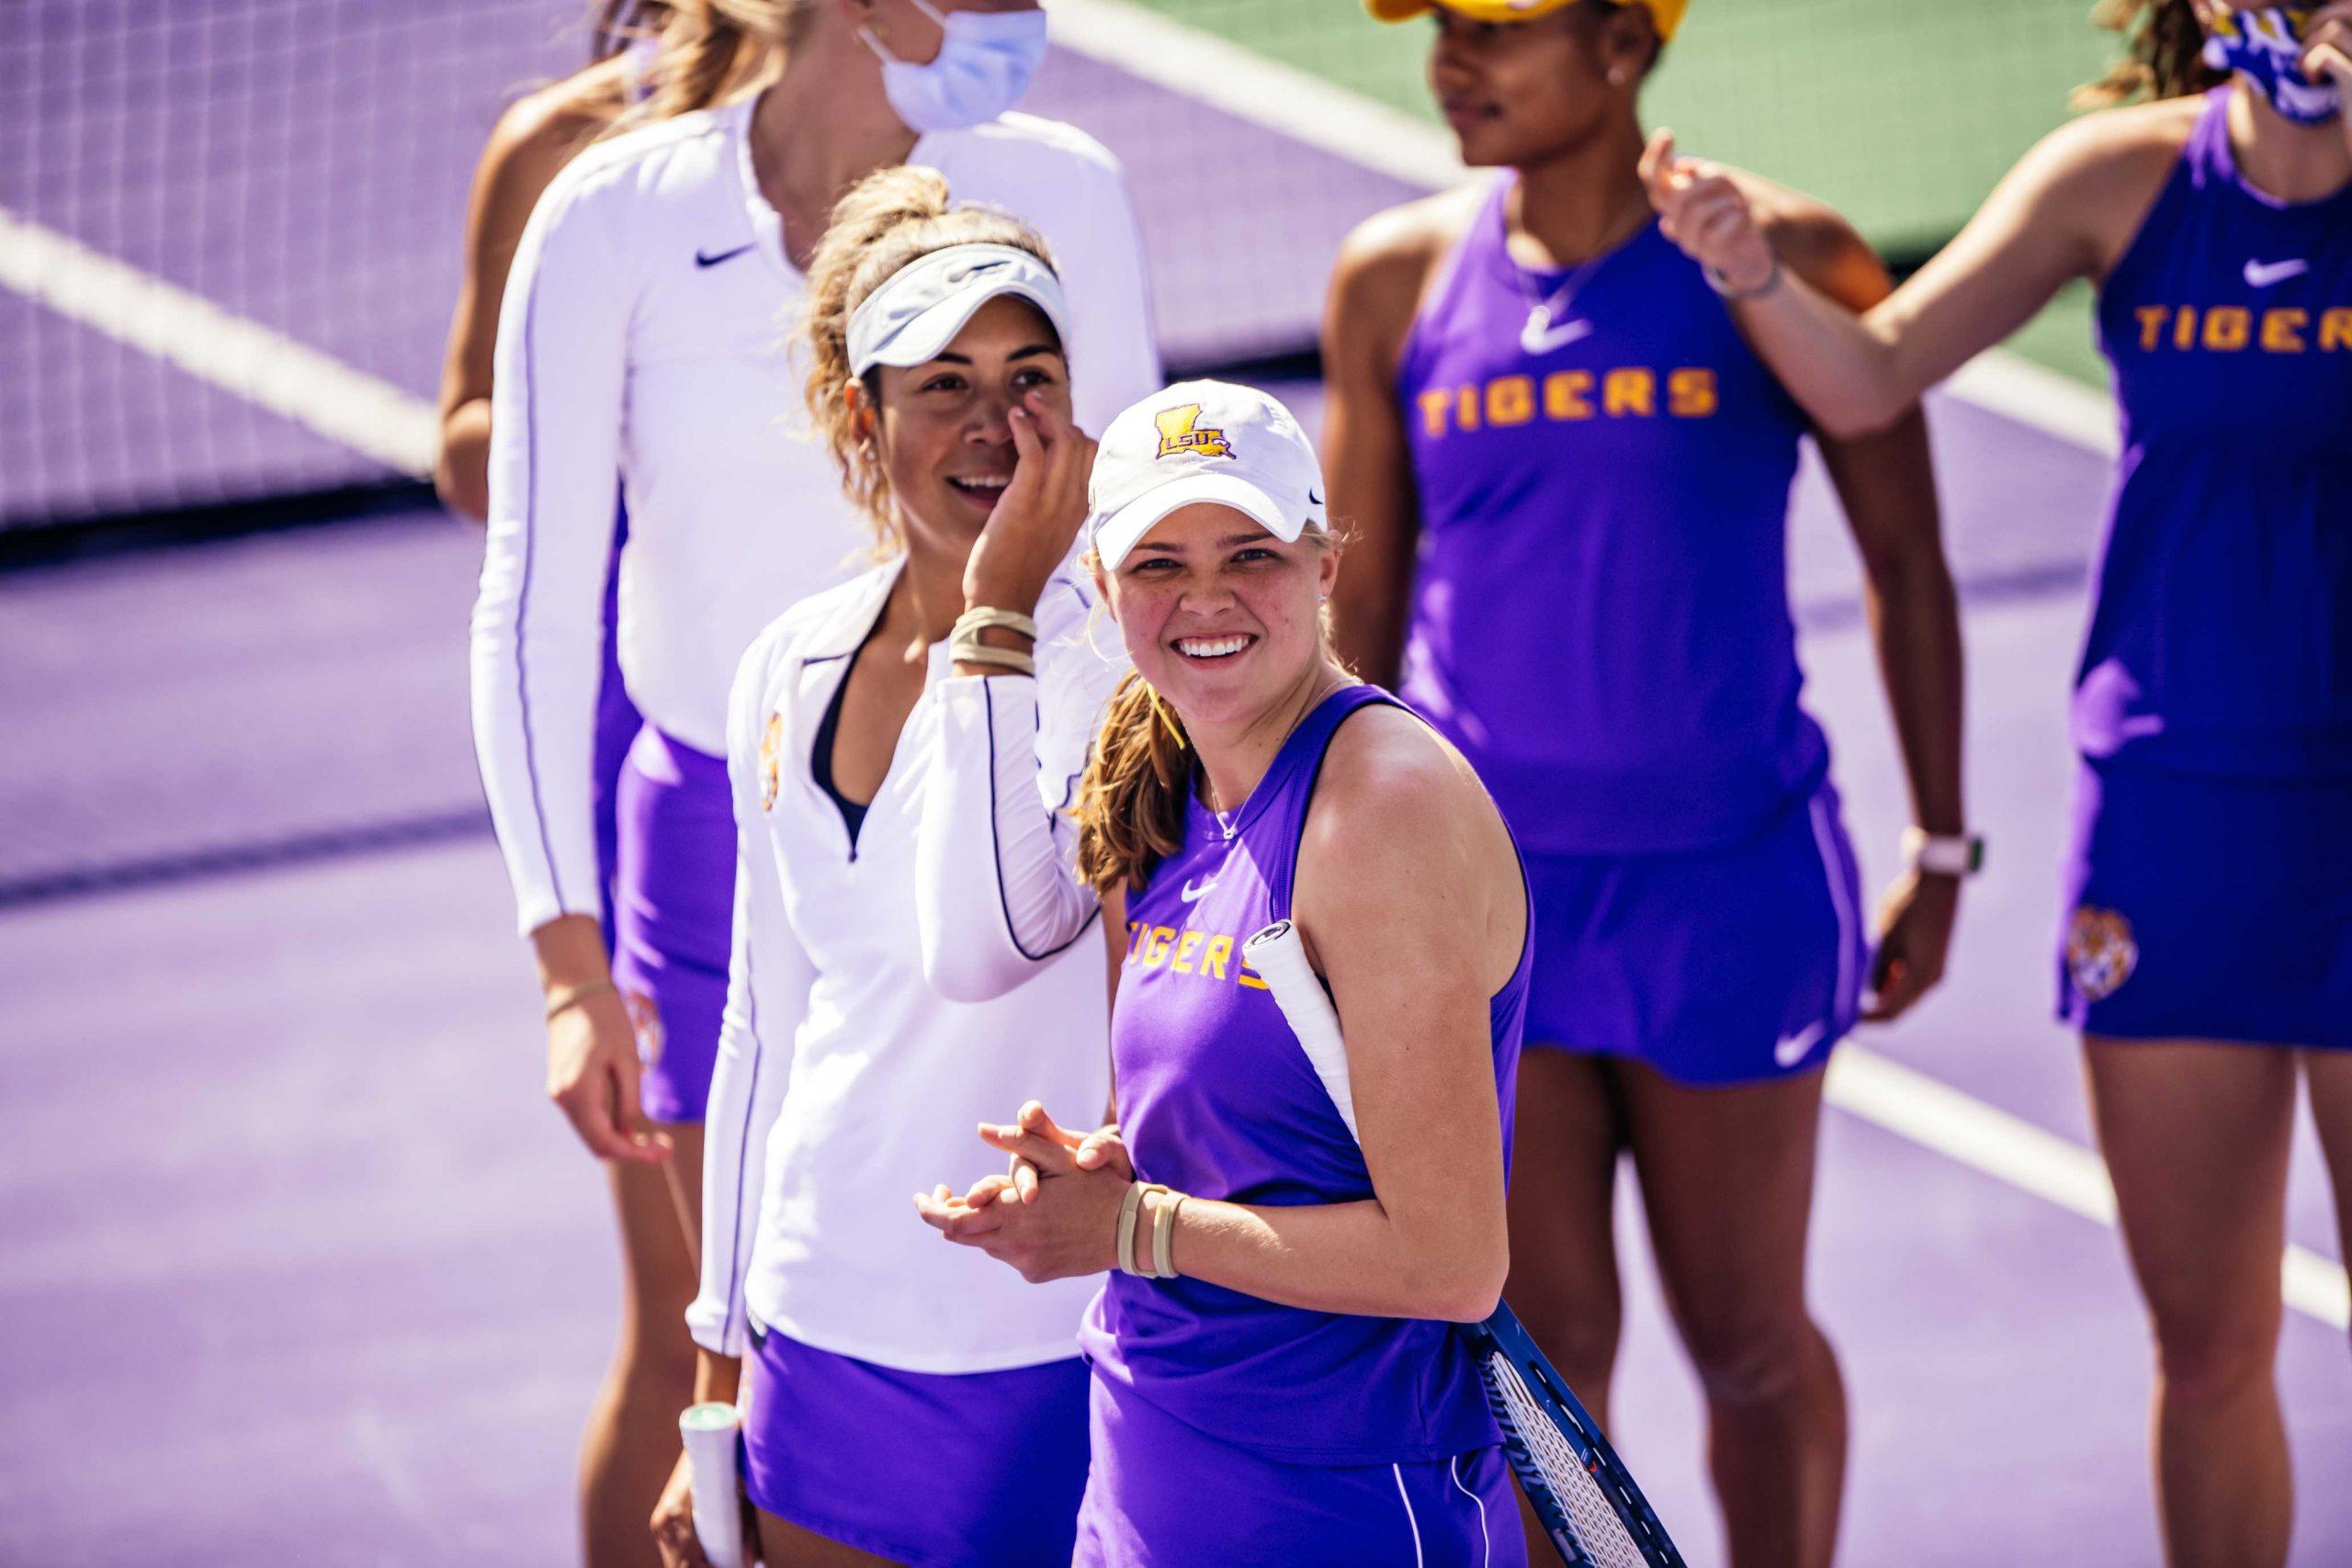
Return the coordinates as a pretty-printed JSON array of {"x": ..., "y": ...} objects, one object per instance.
[
  {"x": 2206, "y": 950},
  {"x": 1569, "y": 479},
  {"x": 1274, "y": 1376}
]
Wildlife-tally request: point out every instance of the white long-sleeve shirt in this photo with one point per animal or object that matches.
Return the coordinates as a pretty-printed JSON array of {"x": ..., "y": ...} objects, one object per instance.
[
  {"x": 642, "y": 353},
  {"x": 807, "y": 1223}
]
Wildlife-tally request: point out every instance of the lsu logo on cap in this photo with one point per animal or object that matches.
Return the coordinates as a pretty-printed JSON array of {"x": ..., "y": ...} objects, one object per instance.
[
  {"x": 1177, "y": 435},
  {"x": 2100, "y": 953},
  {"x": 770, "y": 762}
]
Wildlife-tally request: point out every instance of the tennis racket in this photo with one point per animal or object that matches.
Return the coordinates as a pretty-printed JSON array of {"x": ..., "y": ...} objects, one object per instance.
[
  {"x": 712, "y": 1434},
  {"x": 1572, "y": 1477}
]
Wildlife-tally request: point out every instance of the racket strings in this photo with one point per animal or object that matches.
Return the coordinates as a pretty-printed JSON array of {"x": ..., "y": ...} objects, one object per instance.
[{"x": 1592, "y": 1519}]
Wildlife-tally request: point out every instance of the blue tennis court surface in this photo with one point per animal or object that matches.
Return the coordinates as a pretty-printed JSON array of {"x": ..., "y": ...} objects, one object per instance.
[{"x": 287, "y": 1232}]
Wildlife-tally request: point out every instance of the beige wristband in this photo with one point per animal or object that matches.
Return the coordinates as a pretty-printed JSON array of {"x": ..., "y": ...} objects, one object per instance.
[
  {"x": 1130, "y": 1212},
  {"x": 1163, "y": 1234},
  {"x": 1126, "y": 1231},
  {"x": 565, "y": 1001},
  {"x": 980, "y": 618},
  {"x": 966, "y": 649}
]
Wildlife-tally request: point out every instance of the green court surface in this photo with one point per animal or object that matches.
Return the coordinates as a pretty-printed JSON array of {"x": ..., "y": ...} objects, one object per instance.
[{"x": 1901, "y": 113}]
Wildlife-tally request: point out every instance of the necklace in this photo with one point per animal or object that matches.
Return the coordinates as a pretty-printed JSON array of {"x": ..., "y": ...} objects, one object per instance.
[
  {"x": 1229, "y": 821},
  {"x": 1540, "y": 335}
]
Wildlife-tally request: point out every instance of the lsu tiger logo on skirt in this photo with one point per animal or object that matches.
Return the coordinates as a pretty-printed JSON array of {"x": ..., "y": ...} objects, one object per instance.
[{"x": 2100, "y": 951}]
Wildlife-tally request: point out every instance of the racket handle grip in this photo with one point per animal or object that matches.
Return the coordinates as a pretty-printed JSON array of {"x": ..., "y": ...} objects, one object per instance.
[
  {"x": 713, "y": 1434},
  {"x": 1279, "y": 956}
]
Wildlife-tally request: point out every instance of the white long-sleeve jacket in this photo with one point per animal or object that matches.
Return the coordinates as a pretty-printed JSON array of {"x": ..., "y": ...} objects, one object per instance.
[
  {"x": 807, "y": 1224},
  {"x": 642, "y": 356}
]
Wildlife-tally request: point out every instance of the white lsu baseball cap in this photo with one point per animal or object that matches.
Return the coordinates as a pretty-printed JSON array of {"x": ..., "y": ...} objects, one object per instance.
[
  {"x": 1203, "y": 441},
  {"x": 917, "y": 312}
]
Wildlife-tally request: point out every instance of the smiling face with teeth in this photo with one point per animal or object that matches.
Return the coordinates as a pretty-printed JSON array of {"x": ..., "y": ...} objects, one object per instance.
[
  {"x": 1223, "y": 619},
  {"x": 940, "y": 428}
]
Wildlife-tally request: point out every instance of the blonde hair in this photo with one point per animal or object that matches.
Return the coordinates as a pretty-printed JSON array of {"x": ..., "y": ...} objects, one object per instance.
[
  {"x": 712, "y": 48},
  {"x": 1131, "y": 802},
  {"x": 2164, "y": 54},
  {"x": 620, "y": 23},
  {"x": 890, "y": 218}
]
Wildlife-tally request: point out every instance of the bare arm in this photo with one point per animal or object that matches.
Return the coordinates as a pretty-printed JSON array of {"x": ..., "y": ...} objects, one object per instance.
[
  {"x": 1410, "y": 890},
  {"x": 2067, "y": 210},
  {"x": 531, "y": 142},
  {"x": 1886, "y": 485},
  {"x": 1375, "y": 289}
]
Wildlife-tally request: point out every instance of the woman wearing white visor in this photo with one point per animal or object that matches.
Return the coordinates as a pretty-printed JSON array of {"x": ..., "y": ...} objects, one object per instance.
[
  {"x": 882, "y": 1367},
  {"x": 641, "y": 353}
]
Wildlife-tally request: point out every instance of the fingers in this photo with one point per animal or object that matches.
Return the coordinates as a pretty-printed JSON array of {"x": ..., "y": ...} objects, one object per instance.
[
  {"x": 1104, "y": 1150},
  {"x": 1050, "y": 1158},
  {"x": 949, "y": 1215},
  {"x": 592, "y": 1106},
  {"x": 629, "y": 1101},
  {"x": 987, "y": 1189},
  {"x": 1034, "y": 1120},
  {"x": 1022, "y": 1180},
  {"x": 1656, "y": 165},
  {"x": 1892, "y": 991},
  {"x": 1027, "y": 442}
]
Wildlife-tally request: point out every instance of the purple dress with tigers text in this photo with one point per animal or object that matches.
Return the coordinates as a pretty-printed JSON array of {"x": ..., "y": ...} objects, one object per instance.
[{"x": 1227, "y": 1429}]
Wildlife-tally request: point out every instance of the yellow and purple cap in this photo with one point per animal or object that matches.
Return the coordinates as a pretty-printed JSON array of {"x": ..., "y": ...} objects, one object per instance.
[{"x": 1667, "y": 14}]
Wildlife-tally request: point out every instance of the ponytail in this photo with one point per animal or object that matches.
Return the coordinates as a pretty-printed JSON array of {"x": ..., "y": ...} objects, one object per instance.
[
  {"x": 2164, "y": 53},
  {"x": 1132, "y": 802},
  {"x": 889, "y": 218}
]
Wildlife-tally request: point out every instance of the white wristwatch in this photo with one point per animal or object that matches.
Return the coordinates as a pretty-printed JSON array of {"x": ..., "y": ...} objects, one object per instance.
[{"x": 1943, "y": 854}]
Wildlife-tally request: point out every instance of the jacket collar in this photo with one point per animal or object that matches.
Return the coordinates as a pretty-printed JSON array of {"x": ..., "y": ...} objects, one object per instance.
[{"x": 845, "y": 625}]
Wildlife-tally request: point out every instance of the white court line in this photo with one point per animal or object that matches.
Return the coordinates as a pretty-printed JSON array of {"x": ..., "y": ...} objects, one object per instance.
[
  {"x": 1145, "y": 44},
  {"x": 1290, "y": 102},
  {"x": 2033, "y": 1159},
  {"x": 256, "y": 363}
]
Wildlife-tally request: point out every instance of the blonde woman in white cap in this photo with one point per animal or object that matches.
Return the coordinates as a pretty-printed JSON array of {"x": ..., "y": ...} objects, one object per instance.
[
  {"x": 1274, "y": 1381},
  {"x": 876, "y": 1365}
]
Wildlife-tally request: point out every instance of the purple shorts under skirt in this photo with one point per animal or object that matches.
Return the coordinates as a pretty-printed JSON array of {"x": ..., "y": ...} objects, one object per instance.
[
  {"x": 2208, "y": 909},
  {"x": 1725, "y": 965},
  {"x": 981, "y": 1469},
  {"x": 618, "y": 722},
  {"x": 674, "y": 912},
  {"x": 1163, "y": 1494}
]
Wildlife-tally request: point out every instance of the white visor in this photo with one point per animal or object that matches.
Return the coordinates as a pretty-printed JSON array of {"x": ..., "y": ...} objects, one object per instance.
[{"x": 917, "y": 313}]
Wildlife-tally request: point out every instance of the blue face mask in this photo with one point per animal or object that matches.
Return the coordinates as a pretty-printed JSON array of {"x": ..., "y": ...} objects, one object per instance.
[
  {"x": 984, "y": 66},
  {"x": 2266, "y": 49}
]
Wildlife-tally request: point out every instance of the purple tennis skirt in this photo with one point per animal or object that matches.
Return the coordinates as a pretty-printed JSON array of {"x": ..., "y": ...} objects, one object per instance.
[
  {"x": 976, "y": 1470},
  {"x": 1164, "y": 1492},
  {"x": 1732, "y": 964},
  {"x": 674, "y": 915},
  {"x": 2208, "y": 909}
]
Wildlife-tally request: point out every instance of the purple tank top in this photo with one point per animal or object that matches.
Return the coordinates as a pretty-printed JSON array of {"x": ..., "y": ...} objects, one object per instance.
[
  {"x": 2221, "y": 633},
  {"x": 1218, "y": 1099},
  {"x": 1599, "y": 618}
]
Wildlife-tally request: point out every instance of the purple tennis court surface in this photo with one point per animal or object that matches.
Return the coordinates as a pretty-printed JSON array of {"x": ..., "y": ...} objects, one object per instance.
[
  {"x": 292, "y": 1239},
  {"x": 305, "y": 165},
  {"x": 295, "y": 1263}
]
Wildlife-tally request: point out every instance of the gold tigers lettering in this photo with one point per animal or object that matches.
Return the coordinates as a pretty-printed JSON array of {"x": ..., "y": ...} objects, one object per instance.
[
  {"x": 2236, "y": 329},
  {"x": 1565, "y": 397}
]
